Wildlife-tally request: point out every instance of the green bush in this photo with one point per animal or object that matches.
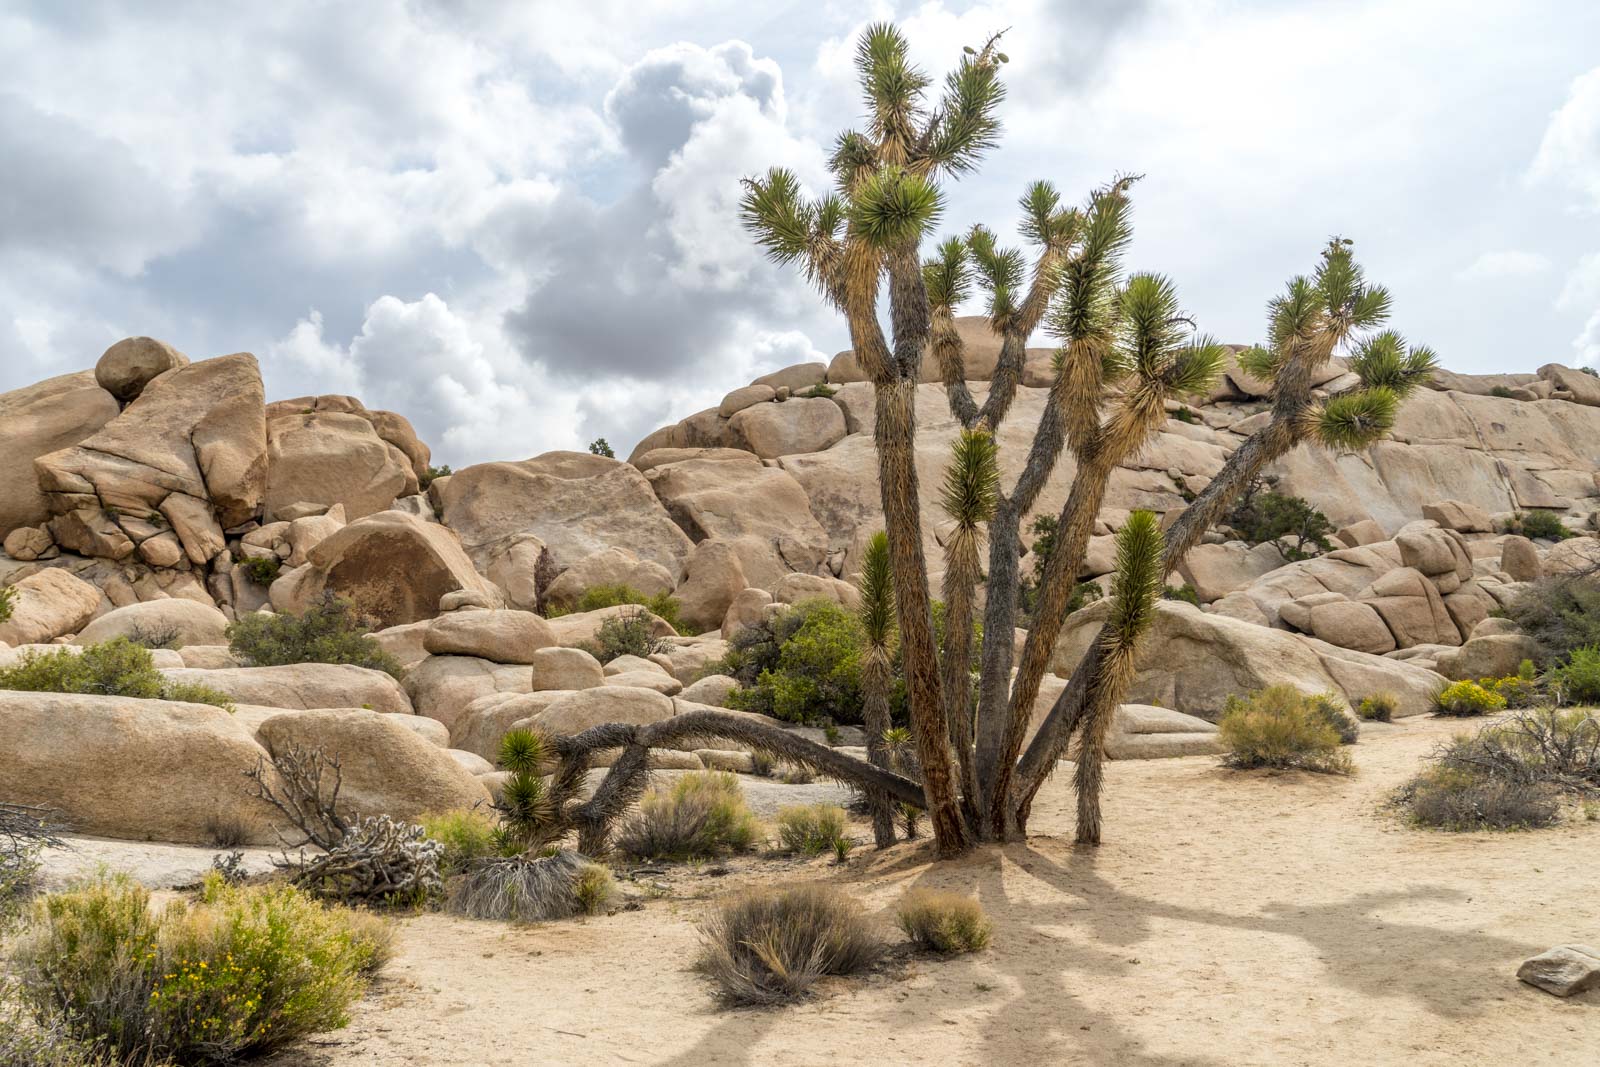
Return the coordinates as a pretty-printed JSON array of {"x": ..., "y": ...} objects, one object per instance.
[
  {"x": 262, "y": 570},
  {"x": 433, "y": 474},
  {"x": 1185, "y": 592},
  {"x": 1501, "y": 391},
  {"x": 1578, "y": 679},
  {"x": 1187, "y": 415},
  {"x": 112, "y": 668},
  {"x": 663, "y": 605},
  {"x": 771, "y": 946},
  {"x": 820, "y": 390},
  {"x": 803, "y": 665},
  {"x": 1518, "y": 691},
  {"x": 628, "y": 633},
  {"x": 1379, "y": 707},
  {"x": 1261, "y": 515},
  {"x": 600, "y": 447},
  {"x": 1331, "y": 710},
  {"x": 238, "y": 973},
  {"x": 465, "y": 837},
  {"x": 1544, "y": 525},
  {"x": 701, "y": 815},
  {"x": 330, "y": 631},
  {"x": 943, "y": 922},
  {"x": 1561, "y": 614},
  {"x": 1466, "y": 698},
  {"x": 8, "y": 597},
  {"x": 812, "y": 829},
  {"x": 1280, "y": 727}
]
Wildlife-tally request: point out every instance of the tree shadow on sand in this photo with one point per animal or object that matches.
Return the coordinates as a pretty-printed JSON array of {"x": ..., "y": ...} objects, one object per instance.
[{"x": 1036, "y": 1017}]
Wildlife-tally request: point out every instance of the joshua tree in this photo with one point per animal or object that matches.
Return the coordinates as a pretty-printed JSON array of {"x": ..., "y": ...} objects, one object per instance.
[
  {"x": 877, "y": 669},
  {"x": 1126, "y": 352}
]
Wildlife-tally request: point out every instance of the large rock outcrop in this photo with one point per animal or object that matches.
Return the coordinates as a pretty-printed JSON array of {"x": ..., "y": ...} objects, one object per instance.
[
  {"x": 47, "y": 604},
  {"x": 332, "y": 458}
]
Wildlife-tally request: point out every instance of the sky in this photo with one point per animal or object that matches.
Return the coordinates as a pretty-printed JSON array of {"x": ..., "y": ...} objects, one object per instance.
[{"x": 516, "y": 223}]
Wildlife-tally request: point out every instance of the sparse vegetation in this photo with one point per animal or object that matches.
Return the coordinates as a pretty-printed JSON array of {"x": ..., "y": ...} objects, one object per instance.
[
  {"x": 8, "y": 599},
  {"x": 1188, "y": 415},
  {"x": 1578, "y": 679},
  {"x": 1467, "y": 698},
  {"x": 699, "y": 816},
  {"x": 25, "y": 832},
  {"x": 1501, "y": 391},
  {"x": 1331, "y": 710},
  {"x": 599, "y": 447},
  {"x": 628, "y": 633},
  {"x": 239, "y": 972},
  {"x": 1185, "y": 592},
  {"x": 433, "y": 474},
  {"x": 803, "y": 664},
  {"x": 771, "y": 946},
  {"x": 662, "y": 605},
  {"x": 1540, "y": 525},
  {"x": 1262, "y": 514},
  {"x": 464, "y": 837},
  {"x": 1379, "y": 707},
  {"x": 943, "y": 922},
  {"x": 112, "y": 668},
  {"x": 1561, "y": 614},
  {"x": 262, "y": 570},
  {"x": 154, "y": 637},
  {"x": 812, "y": 829},
  {"x": 329, "y": 631},
  {"x": 1509, "y": 775},
  {"x": 557, "y": 885},
  {"x": 819, "y": 391},
  {"x": 1280, "y": 728}
]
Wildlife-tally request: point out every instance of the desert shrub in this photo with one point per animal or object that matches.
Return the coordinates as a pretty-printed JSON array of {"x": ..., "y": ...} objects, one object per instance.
[
  {"x": 8, "y": 598},
  {"x": 532, "y": 889},
  {"x": 1261, "y": 514},
  {"x": 465, "y": 837},
  {"x": 943, "y": 922},
  {"x": 117, "y": 667},
  {"x": 25, "y": 832},
  {"x": 600, "y": 447},
  {"x": 1331, "y": 710},
  {"x": 1448, "y": 798},
  {"x": 770, "y": 946},
  {"x": 1545, "y": 525},
  {"x": 628, "y": 633},
  {"x": 1501, "y": 391},
  {"x": 663, "y": 605},
  {"x": 329, "y": 631},
  {"x": 1510, "y": 774},
  {"x": 1379, "y": 707},
  {"x": 1467, "y": 698},
  {"x": 262, "y": 570},
  {"x": 811, "y": 829},
  {"x": 1578, "y": 679},
  {"x": 804, "y": 664},
  {"x": 1279, "y": 727},
  {"x": 1183, "y": 414},
  {"x": 154, "y": 637},
  {"x": 1185, "y": 592},
  {"x": 700, "y": 815},
  {"x": 1518, "y": 690},
  {"x": 821, "y": 390},
  {"x": 432, "y": 474},
  {"x": 1561, "y": 614},
  {"x": 237, "y": 973},
  {"x": 32, "y": 1039}
]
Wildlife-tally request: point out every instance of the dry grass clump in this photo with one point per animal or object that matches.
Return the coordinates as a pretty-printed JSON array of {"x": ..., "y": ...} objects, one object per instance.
[
  {"x": 944, "y": 922},
  {"x": 771, "y": 946},
  {"x": 556, "y": 886},
  {"x": 701, "y": 815},
  {"x": 1281, "y": 728},
  {"x": 1511, "y": 775},
  {"x": 812, "y": 829},
  {"x": 1379, "y": 707}
]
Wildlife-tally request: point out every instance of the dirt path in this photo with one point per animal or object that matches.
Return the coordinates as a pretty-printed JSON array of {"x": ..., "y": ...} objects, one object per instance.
[{"x": 1231, "y": 919}]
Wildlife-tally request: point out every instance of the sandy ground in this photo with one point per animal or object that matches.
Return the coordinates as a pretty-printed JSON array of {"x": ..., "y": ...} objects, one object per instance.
[{"x": 1230, "y": 919}]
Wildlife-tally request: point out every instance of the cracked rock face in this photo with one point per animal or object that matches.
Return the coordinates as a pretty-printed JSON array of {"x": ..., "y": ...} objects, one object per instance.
[{"x": 190, "y": 452}]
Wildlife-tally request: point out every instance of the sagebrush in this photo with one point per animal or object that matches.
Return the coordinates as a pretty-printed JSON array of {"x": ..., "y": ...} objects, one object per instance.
[
  {"x": 117, "y": 667},
  {"x": 1281, "y": 728},
  {"x": 331, "y": 630},
  {"x": 770, "y": 946}
]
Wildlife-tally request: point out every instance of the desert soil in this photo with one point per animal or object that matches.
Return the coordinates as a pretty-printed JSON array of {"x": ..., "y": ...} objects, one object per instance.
[{"x": 1231, "y": 918}]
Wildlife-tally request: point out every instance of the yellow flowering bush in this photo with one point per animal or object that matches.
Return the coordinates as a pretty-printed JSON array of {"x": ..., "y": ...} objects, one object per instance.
[{"x": 236, "y": 973}]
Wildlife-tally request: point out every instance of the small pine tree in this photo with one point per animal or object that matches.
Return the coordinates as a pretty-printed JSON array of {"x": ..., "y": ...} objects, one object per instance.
[{"x": 600, "y": 447}]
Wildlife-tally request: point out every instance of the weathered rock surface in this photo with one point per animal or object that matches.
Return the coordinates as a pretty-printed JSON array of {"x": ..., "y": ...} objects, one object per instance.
[
  {"x": 47, "y": 604},
  {"x": 1564, "y": 971},
  {"x": 141, "y": 769},
  {"x": 304, "y": 686},
  {"x": 178, "y": 622},
  {"x": 128, "y": 366},
  {"x": 384, "y": 768},
  {"x": 610, "y": 566},
  {"x": 498, "y": 636},
  {"x": 801, "y": 424},
  {"x": 442, "y": 687},
  {"x": 38, "y": 420},
  {"x": 715, "y": 576},
  {"x": 577, "y": 712},
  {"x": 332, "y": 458},
  {"x": 576, "y": 504}
]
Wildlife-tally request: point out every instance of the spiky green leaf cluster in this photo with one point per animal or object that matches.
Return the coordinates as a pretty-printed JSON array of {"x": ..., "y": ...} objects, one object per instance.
[
  {"x": 972, "y": 480},
  {"x": 1086, "y": 305},
  {"x": 522, "y": 751},
  {"x": 1138, "y": 580},
  {"x": 1155, "y": 346},
  {"x": 876, "y": 583},
  {"x": 965, "y": 126},
  {"x": 1044, "y": 221},
  {"x": 1384, "y": 361},
  {"x": 1001, "y": 270},
  {"x": 1354, "y": 420},
  {"x": 891, "y": 86},
  {"x": 892, "y": 207},
  {"x": 1320, "y": 312},
  {"x": 948, "y": 276}
]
